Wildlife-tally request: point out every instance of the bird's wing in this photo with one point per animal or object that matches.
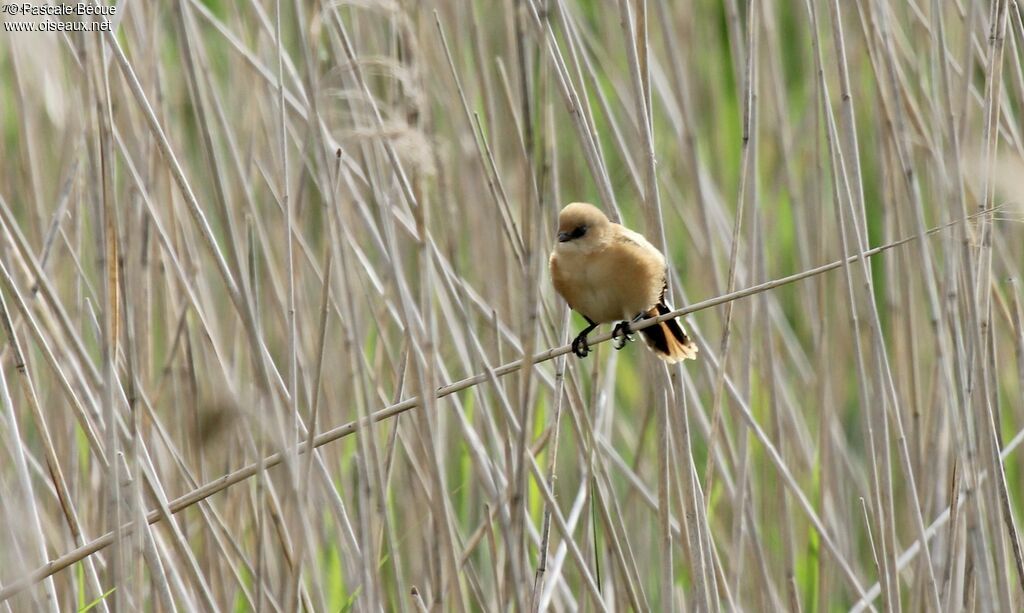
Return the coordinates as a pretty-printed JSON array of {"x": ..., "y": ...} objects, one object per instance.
[{"x": 636, "y": 268}]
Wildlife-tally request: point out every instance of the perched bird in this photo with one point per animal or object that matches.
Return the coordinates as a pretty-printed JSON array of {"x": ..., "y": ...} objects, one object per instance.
[{"x": 607, "y": 272}]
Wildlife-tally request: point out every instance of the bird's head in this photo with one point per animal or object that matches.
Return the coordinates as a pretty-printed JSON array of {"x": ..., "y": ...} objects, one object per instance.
[{"x": 580, "y": 224}]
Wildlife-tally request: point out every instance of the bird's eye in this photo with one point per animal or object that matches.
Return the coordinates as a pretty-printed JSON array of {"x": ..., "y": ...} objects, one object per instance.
[{"x": 576, "y": 232}]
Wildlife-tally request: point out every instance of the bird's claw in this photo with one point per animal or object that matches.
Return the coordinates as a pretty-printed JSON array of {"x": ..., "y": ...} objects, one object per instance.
[
  {"x": 621, "y": 334},
  {"x": 580, "y": 346}
]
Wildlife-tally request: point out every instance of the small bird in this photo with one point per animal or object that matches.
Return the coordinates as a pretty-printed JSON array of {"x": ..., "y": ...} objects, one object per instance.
[{"x": 607, "y": 272}]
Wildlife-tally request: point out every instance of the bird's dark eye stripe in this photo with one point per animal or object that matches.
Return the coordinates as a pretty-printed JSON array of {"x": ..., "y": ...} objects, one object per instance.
[{"x": 578, "y": 232}]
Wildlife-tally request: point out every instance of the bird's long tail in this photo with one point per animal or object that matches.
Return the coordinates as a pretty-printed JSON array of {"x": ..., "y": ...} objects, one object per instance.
[{"x": 667, "y": 339}]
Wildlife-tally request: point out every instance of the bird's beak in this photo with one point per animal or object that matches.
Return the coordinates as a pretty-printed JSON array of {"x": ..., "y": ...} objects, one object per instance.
[{"x": 564, "y": 236}]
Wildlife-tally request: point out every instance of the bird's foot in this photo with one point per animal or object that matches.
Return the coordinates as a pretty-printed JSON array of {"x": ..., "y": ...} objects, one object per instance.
[
  {"x": 580, "y": 346},
  {"x": 621, "y": 334}
]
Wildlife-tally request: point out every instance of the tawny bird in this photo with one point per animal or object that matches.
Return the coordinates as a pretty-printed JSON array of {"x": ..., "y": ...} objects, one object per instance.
[{"x": 607, "y": 272}]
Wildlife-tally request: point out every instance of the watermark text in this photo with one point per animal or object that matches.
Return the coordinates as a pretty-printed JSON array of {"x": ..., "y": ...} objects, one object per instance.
[{"x": 80, "y": 17}]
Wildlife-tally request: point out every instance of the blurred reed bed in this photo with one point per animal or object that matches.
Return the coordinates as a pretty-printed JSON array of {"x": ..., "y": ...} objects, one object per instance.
[{"x": 278, "y": 332}]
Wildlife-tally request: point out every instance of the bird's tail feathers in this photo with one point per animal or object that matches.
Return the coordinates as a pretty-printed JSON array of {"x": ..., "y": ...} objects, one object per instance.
[{"x": 667, "y": 339}]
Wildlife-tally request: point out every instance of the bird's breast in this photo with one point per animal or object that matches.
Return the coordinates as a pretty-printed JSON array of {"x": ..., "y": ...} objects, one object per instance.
[{"x": 606, "y": 285}]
